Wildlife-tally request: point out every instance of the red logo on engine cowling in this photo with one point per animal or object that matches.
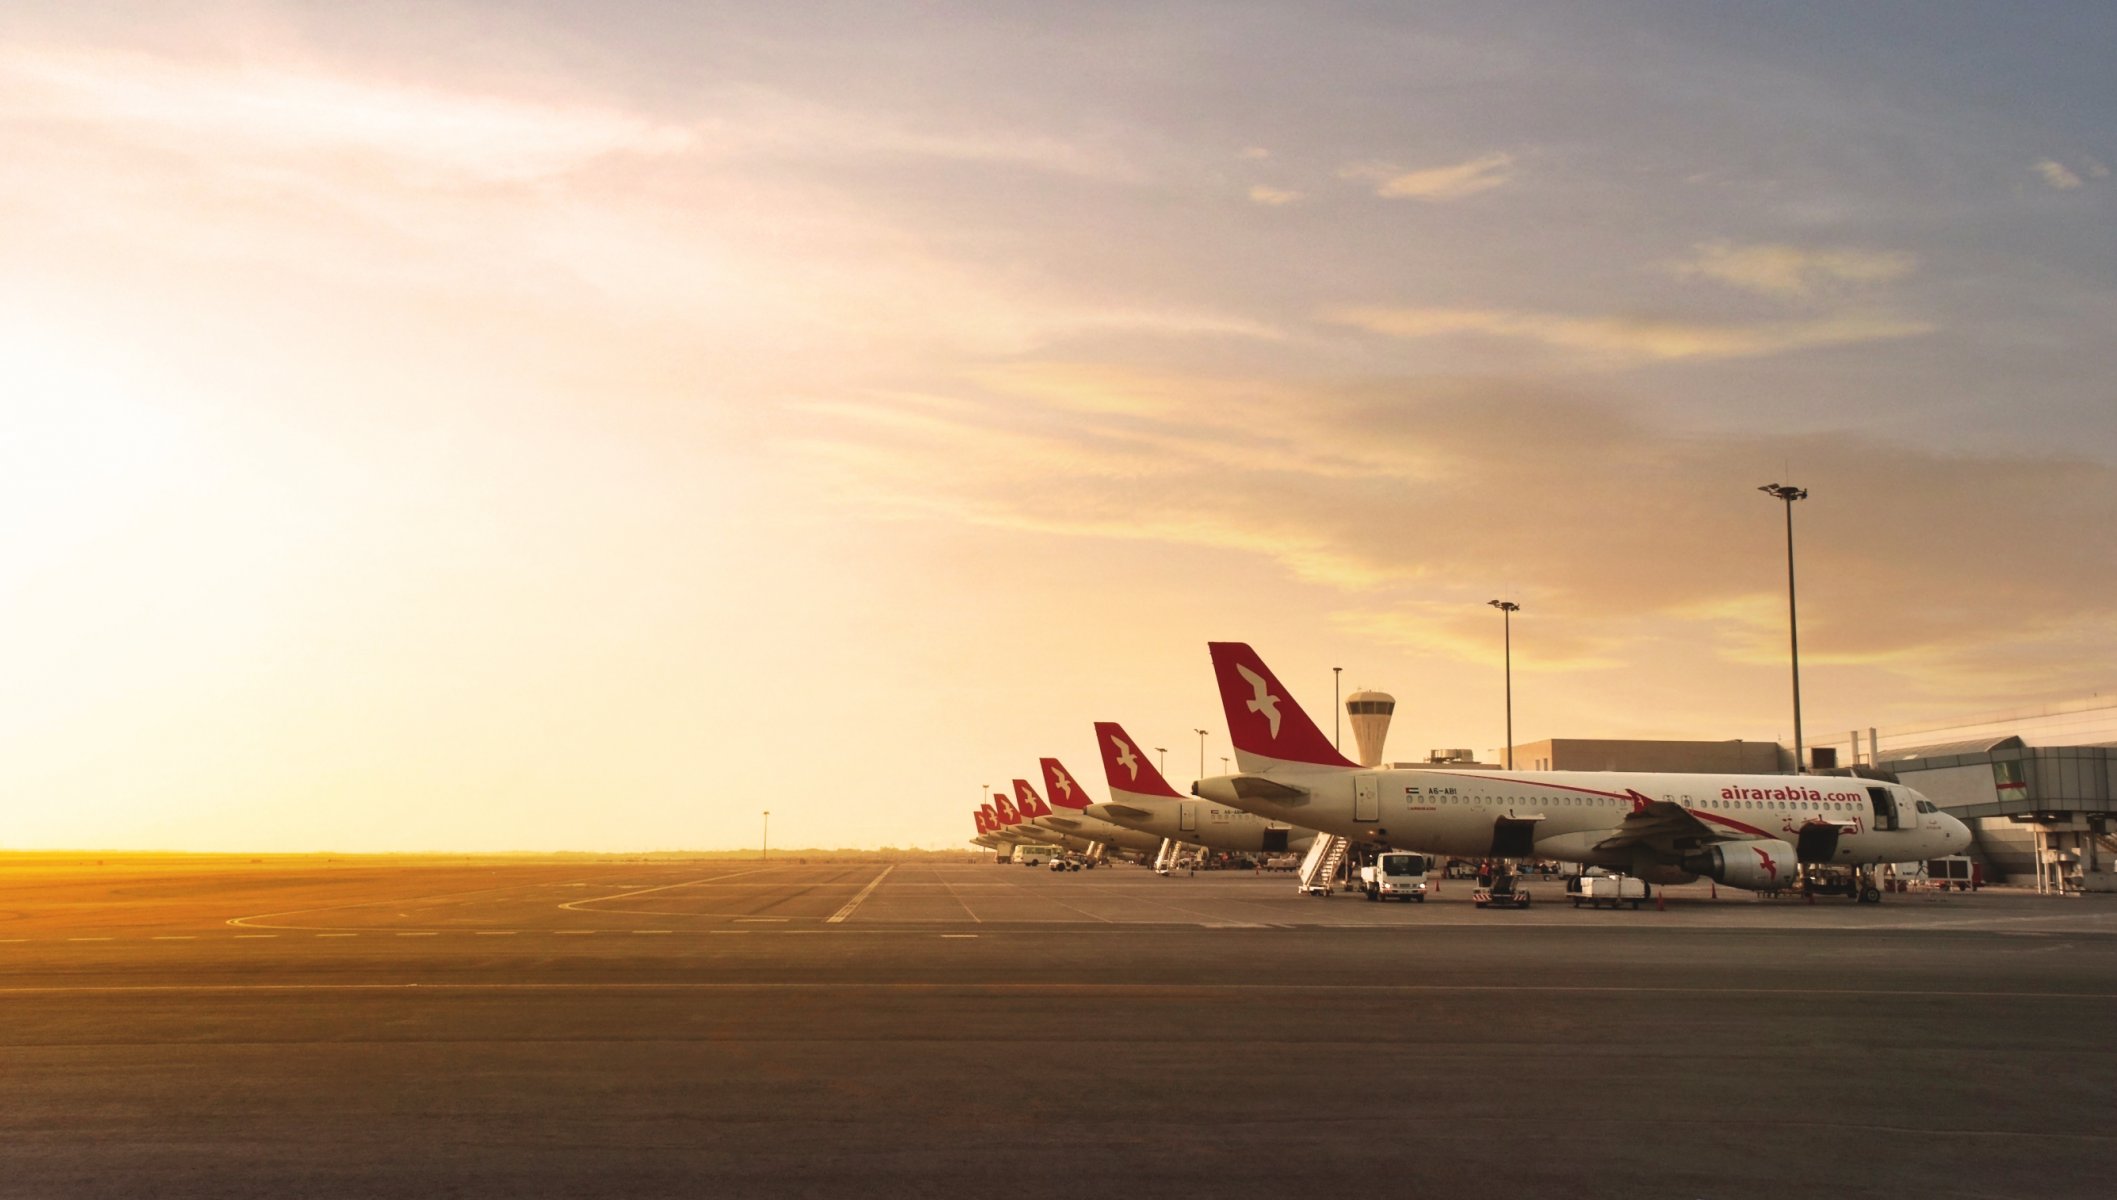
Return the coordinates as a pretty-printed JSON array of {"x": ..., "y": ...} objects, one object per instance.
[{"x": 1771, "y": 868}]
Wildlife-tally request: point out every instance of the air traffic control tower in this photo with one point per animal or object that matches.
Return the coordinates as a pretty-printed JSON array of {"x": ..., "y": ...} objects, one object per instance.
[{"x": 1370, "y": 712}]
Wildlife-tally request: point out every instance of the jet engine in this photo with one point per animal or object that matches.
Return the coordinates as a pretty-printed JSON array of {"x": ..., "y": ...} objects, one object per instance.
[{"x": 1758, "y": 866}]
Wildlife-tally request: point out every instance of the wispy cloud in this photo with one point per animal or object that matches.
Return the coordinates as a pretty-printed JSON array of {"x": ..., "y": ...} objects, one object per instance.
[
  {"x": 2057, "y": 174},
  {"x": 1384, "y": 496},
  {"x": 221, "y": 110},
  {"x": 1272, "y": 197},
  {"x": 1631, "y": 339},
  {"x": 1793, "y": 271},
  {"x": 1434, "y": 183}
]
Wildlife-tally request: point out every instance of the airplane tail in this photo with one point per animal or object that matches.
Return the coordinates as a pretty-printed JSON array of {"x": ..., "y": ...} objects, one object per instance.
[
  {"x": 1030, "y": 805},
  {"x": 1266, "y": 726},
  {"x": 1008, "y": 815},
  {"x": 1126, "y": 768},
  {"x": 978, "y": 817},
  {"x": 1065, "y": 791},
  {"x": 992, "y": 818}
]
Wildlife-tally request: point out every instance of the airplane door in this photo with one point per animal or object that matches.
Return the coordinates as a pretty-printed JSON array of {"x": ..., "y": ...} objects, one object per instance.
[
  {"x": 1367, "y": 799},
  {"x": 1187, "y": 816},
  {"x": 1885, "y": 813}
]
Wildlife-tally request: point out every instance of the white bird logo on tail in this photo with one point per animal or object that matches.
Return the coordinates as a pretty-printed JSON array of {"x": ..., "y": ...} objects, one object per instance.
[
  {"x": 1263, "y": 702},
  {"x": 1124, "y": 756},
  {"x": 1059, "y": 781}
]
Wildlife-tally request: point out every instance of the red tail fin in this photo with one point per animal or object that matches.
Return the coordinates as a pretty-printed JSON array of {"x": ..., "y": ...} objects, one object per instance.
[
  {"x": 1126, "y": 767},
  {"x": 1028, "y": 802},
  {"x": 1263, "y": 720},
  {"x": 1065, "y": 791},
  {"x": 1008, "y": 816}
]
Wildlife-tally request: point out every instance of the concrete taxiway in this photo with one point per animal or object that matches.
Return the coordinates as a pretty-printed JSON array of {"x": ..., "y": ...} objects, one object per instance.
[{"x": 683, "y": 1028}]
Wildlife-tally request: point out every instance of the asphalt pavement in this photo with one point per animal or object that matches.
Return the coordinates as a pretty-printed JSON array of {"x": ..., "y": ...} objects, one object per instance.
[{"x": 363, "y": 1027}]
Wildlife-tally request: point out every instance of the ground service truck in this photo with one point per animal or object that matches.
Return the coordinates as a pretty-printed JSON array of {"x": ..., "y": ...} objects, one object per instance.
[{"x": 1396, "y": 876}]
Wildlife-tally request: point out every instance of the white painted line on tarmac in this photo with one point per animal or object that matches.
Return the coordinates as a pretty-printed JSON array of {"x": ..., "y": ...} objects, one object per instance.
[
  {"x": 959, "y": 935},
  {"x": 764, "y": 920},
  {"x": 865, "y": 892},
  {"x": 325, "y": 935},
  {"x": 742, "y": 931},
  {"x": 572, "y": 932},
  {"x": 252, "y": 936},
  {"x": 576, "y": 905},
  {"x": 650, "y": 931},
  {"x": 418, "y": 933},
  {"x": 495, "y": 932},
  {"x": 175, "y": 937},
  {"x": 92, "y": 939}
]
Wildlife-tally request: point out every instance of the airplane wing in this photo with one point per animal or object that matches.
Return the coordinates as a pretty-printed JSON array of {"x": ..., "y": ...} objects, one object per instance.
[
  {"x": 1127, "y": 811},
  {"x": 1665, "y": 826}
]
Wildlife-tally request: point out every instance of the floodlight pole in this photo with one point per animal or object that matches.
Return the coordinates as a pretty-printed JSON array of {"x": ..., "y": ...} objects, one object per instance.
[
  {"x": 1337, "y": 705},
  {"x": 1507, "y": 610},
  {"x": 766, "y": 856},
  {"x": 1201, "y": 752},
  {"x": 1788, "y": 493},
  {"x": 1163, "y": 751}
]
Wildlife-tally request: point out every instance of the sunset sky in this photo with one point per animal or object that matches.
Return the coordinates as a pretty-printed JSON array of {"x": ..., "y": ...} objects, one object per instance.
[{"x": 540, "y": 425}]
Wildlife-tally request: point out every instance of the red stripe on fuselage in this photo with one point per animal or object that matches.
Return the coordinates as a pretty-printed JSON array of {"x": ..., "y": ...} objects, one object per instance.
[{"x": 1634, "y": 797}]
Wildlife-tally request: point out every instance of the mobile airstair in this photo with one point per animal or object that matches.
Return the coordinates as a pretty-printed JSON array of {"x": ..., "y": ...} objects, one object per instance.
[{"x": 1320, "y": 869}]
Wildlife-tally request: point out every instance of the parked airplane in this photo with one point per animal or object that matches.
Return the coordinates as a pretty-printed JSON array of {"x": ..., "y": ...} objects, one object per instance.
[
  {"x": 1028, "y": 826},
  {"x": 986, "y": 836},
  {"x": 1747, "y": 831},
  {"x": 1141, "y": 799},
  {"x": 1074, "y": 818}
]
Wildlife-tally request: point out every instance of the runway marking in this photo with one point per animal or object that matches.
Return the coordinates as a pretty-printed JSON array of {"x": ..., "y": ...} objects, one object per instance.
[
  {"x": 959, "y": 900},
  {"x": 325, "y": 935},
  {"x": 493, "y": 932},
  {"x": 959, "y": 935},
  {"x": 251, "y": 936},
  {"x": 640, "y": 931},
  {"x": 764, "y": 920},
  {"x": 865, "y": 892},
  {"x": 175, "y": 937},
  {"x": 512, "y": 887},
  {"x": 416, "y": 933},
  {"x": 575, "y": 905},
  {"x": 572, "y": 932},
  {"x": 745, "y": 931},
  {"x": 91, "y": 939}
]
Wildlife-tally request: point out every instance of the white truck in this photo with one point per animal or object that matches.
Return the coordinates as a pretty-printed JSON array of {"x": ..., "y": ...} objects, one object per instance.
[
  {"x": 1030, "y": 855},
  {"x": 1608, "y": 891},
  {"x": 1396, "y": 875}
]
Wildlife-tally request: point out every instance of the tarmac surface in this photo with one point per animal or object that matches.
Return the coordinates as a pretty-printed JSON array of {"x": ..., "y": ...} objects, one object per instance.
[{"x": 360, "y": 1027}]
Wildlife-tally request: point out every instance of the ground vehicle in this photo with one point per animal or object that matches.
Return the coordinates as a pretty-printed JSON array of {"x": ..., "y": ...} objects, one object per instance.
[
  {"x": 1396, "y": 876},
  {"x": 1608, "y": 891},
  {"x": 1505, "y": 891},
  {"x": 1956, "y": 871},
  {"x": 1031, "y": 854},
  {"x": 1066, "y": 862}
]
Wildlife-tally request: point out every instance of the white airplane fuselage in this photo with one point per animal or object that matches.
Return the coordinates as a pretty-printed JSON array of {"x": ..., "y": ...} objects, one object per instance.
[
  {"x": 1074, "y": 822},
  {"x": 1574, "y": 816},
  {"x": 1204, "y": 823}
]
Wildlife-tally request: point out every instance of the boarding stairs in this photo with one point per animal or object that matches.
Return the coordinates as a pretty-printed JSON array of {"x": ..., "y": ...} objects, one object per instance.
[
  {"x": 1165, "y": 861},
  {"x": 1320, "y": 868}
]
